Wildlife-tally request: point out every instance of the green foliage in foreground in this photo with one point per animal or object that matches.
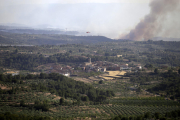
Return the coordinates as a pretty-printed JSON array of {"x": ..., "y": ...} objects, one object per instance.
[
  {"x": 168, "y": 115},
  {"x": 60, "y": 85},
  {"x": 9, "y": 116}
]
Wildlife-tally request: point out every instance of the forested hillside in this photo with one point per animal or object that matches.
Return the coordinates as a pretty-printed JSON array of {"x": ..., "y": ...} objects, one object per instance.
[{"x": 169, "y": 86}]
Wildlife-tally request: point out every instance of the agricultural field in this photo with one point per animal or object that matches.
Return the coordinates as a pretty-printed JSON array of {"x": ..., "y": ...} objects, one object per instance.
[
  {"x": 113, "y": 110},
  {"x": 112, "y": 74},
  {"x": 126, "y": 106}
]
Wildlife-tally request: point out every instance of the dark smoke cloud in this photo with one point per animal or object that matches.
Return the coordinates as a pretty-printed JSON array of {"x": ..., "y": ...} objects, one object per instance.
[{"x": 151, "y": 25}]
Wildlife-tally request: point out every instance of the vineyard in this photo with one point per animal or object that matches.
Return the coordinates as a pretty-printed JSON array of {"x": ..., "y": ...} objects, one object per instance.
[
  {"x": 113, "y": 110},
  {"x": 21, "y": 97},
  {"x": 144, "y": 102},
  {"x": 115, "y": 107},
  {"x": 106, "y": 111}
]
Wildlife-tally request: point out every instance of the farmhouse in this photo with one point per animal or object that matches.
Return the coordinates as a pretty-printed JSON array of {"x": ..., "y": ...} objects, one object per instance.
[
  {"x": 119, "y": 55},
  {"x": 13, "y": 73},
  {"x": 124, "y": 67}
]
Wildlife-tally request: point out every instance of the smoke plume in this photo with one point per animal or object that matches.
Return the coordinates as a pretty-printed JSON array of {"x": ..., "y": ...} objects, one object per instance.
[{"x": 151, "y": 24}]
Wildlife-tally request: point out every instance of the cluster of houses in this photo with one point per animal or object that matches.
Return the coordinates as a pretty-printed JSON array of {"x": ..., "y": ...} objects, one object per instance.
[
  {"x": 13, "y": 73},
  {"x": 102, "y": 66},
  {"x": 66, "y": 71},
  {"x": 97, "y": 66}
]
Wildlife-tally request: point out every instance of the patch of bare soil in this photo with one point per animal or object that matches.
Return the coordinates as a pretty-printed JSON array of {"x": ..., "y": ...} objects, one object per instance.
[
  {"x": 56, "y": 97},
  {"x": 5, "y": 87},
  {"x": 46, "y": 94},
  {"x": 53, "y": 109}
]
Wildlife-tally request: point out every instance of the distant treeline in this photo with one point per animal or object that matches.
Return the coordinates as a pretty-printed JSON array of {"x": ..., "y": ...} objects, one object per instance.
[{"x": 30, "y": 61}]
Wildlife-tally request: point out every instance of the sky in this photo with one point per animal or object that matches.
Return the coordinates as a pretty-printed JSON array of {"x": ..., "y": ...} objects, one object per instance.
[{"x": 110, "y": 18}]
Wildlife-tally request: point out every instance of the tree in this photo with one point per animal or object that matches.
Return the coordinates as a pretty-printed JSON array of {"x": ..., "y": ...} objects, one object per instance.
[
  {"x": 117, "y": 118},
  {"x": 70, "y": 51},
  {"x": 84, "y": 98},
  {"x": 22, "y": 103},
  {"x": 43, "y": 75},
  {"x": 157, "y": 115},
  {"x": 149, "y": 66},
  {"x": 101, "y": 82},
  {"x": 78, "y": 102},
  {"x": 36, "y": 102},
  {"x": 61, "y": 101},
  {"x": 147, "y": 115},
  {"x": 170, "y": 71},
  {"x": 179, "y": 70},
  {"x": 92, "y": 95},
  {"x": 100, "y": 98},
  {"x": 2, "y": 77},
  {"x": 156, "y": 71},
  {"x": 16, "y": 51},
  {"x": 138, "y": 90}
]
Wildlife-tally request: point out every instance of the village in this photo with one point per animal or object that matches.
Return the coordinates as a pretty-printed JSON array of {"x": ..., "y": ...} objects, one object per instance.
[{"x": 109, "y": 70}]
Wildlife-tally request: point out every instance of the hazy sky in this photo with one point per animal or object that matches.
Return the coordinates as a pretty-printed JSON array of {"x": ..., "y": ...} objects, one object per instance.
[{"x": 110, "y": 18}]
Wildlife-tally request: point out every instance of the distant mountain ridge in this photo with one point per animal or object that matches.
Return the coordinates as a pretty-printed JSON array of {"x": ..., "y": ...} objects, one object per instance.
[{"x": 28, "y": 30}]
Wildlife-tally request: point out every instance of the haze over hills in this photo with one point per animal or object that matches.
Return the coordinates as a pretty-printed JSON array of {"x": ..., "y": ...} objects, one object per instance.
[
  {"x": 23, "y": 35},
  {"x": 20, "y": 29},
  {"x": 29, "y": 36},
  {"x": 90, "y": 59}
]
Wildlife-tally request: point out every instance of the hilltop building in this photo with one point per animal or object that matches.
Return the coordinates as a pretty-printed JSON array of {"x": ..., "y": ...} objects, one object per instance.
[{"x": 88, "y": 63}]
